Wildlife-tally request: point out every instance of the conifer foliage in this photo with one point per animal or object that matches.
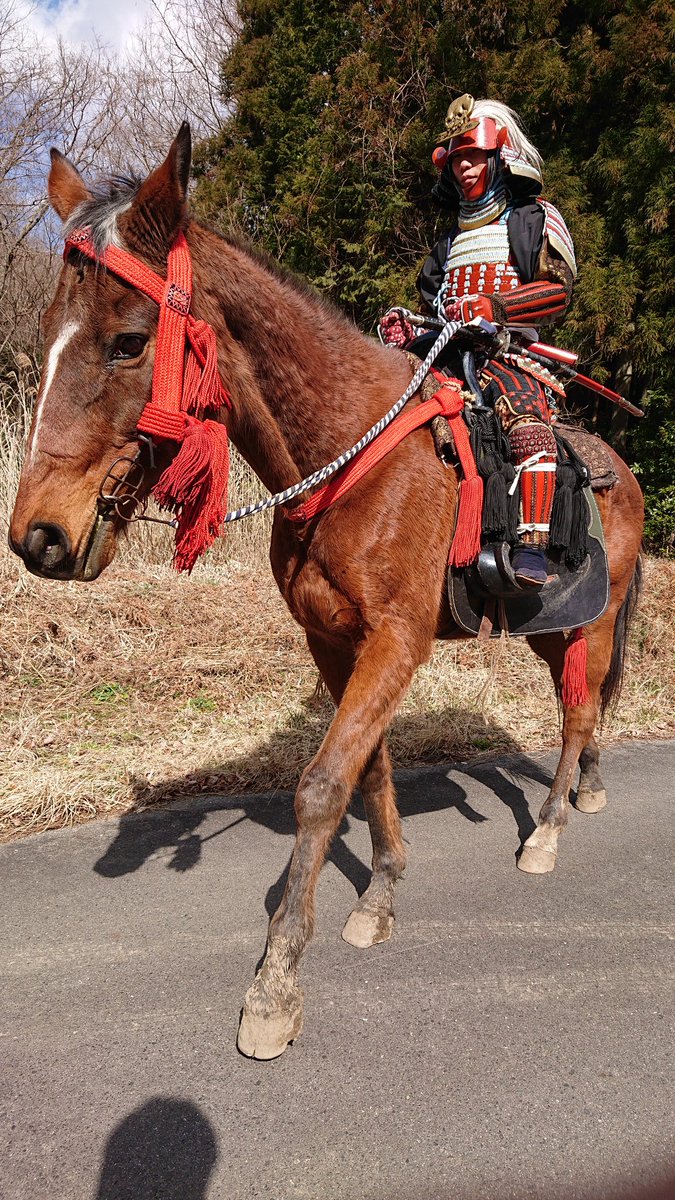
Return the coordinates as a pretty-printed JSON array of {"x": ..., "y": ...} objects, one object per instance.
[{"x": 325, "y": 163}]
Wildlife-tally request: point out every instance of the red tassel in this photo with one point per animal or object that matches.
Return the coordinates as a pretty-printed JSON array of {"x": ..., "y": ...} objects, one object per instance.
[
  {"x": 465, "y": 546},
  {"x": 574, "y": 683},
  {"x": 203, "y": 391},
  {"x": 195, "y": 485}
]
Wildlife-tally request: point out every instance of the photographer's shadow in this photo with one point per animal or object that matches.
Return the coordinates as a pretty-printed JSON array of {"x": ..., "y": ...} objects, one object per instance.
[{"x": 167, "y": 1148}]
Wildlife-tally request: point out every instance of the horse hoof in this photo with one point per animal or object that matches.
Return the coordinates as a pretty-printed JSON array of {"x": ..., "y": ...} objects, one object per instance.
[
  {"x": 535, "y": 861},
  {"x": 364, "y": 929},
  {"x": 266, "y": 1036},
  {"x": 590, "y": 802}
]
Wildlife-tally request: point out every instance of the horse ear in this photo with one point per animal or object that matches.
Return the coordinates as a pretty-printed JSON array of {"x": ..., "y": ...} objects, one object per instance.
[
  {"x": 158, "y": 210},
  {"x": 65, "y": 185}
]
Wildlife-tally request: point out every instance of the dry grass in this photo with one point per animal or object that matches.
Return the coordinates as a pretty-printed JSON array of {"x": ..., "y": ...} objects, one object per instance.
[{"x": 143, "y": 687}]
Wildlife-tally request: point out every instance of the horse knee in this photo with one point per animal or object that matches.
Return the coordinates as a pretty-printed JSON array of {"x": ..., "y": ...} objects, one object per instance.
[{"x": 320, "y": 800}]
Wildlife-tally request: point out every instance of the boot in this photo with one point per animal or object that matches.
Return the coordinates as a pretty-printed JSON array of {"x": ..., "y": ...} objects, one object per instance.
[{"x": 529, "y": 565}]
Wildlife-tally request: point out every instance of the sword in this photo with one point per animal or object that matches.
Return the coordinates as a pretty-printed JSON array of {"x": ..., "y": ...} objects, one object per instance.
[{"x": 549, "y": 356}]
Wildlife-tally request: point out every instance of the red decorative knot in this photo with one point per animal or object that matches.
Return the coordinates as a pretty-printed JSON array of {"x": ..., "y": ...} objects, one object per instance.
[
  {"x": 178, "y": 299},
  {"x": 78, "y": 236}
]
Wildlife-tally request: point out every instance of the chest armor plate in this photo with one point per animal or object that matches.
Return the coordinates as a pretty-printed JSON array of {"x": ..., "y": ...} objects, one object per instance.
[{"x": 480, "y": 261}]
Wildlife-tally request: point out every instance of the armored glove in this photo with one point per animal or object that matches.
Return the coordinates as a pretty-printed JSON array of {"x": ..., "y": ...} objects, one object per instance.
[
  {"x": 394, "y": 328},
  {"x": 524, "y": 305},
  {"x": 468, "y": 308}
]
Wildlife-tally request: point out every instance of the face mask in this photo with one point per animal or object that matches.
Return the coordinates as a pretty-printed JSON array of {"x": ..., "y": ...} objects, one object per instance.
[{"x": 479, "y": 187}]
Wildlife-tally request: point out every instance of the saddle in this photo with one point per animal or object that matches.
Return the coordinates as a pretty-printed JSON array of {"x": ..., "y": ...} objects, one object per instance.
[{"x": 485, "y": 599}]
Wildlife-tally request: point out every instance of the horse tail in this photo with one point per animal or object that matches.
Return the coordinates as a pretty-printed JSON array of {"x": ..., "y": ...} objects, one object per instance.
[{"x": 613, "y": 681}]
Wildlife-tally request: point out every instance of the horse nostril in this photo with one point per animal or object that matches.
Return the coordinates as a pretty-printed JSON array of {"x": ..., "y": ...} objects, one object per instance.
[{"x": 47, "y": 546}]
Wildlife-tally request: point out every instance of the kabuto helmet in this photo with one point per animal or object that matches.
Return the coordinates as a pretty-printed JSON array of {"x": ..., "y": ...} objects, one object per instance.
[{"x": 491, "y": 126}]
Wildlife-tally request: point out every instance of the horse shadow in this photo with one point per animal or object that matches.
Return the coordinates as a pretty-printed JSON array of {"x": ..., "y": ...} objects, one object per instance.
[
  {"x": 166, "y": 1148},
  {"x": 152, "y": 832}
]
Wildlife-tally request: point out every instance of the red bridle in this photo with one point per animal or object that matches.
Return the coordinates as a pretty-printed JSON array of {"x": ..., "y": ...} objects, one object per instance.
[{"x": 186, "y": 393}]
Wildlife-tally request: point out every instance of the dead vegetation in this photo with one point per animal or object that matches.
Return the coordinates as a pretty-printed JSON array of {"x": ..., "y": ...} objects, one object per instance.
[{"x": 144, "y": 687}]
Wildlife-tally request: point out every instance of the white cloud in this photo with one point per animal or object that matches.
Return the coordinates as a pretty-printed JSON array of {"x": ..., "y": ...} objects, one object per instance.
[{"x": 113, "y": 22}]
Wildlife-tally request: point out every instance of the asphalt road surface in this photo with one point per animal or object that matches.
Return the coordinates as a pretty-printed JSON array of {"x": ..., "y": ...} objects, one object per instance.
[{"x": 511, "y": 1041}]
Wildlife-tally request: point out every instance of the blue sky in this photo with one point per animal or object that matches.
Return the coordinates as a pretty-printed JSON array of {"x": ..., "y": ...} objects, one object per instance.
[{"x": 113, "y": 21}]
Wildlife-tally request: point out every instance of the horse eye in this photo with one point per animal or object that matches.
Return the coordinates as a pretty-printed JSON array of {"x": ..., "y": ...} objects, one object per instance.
[{"x": 128, "y": 345}]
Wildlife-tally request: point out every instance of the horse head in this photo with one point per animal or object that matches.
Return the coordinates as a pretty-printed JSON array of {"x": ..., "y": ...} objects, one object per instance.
[{"x": 99, "y": 337}]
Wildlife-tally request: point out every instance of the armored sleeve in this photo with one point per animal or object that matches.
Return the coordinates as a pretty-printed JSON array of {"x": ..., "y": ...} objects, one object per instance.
[{"x": 544, "y": 253}]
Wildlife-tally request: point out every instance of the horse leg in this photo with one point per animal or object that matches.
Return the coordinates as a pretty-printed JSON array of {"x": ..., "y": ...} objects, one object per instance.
[
  {"x": 539, "y": 852},
  {"x": 591, "y": 794},
  {"x": 372, "y": 919},
  {"x": 272, "y": 1013}
]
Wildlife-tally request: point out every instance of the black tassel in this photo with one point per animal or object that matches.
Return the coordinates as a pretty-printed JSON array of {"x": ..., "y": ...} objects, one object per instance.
[
  {"x": 490, "y": 447},
  {"x": 495, "y": 508},
  {"x": 578, "y": 544},
  {"x": 569, "y": 519},
  {"x": 563, "y": 504},
  {"x": 491, "y": 452}
]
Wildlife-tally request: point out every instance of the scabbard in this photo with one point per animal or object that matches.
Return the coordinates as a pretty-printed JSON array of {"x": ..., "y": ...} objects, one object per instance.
[
  {"x": 583, "y": 380},
  {"x": 607, "y": 393}
]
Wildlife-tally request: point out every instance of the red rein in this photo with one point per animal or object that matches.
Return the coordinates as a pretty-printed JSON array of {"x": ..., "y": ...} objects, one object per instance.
[
  {"x": 186, "y": 393},
  {"x": 186, "y": 388}
]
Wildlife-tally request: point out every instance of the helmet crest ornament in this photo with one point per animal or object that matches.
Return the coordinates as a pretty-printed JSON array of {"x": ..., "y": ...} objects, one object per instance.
[{"x": 458, "y": 119}]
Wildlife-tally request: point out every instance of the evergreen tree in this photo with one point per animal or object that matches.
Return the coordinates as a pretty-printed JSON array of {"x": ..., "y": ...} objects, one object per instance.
[{"x": 325, "y": 162}]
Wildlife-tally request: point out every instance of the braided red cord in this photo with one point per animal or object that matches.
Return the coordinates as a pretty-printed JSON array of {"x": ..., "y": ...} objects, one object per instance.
[
  {"x": 465, "y": 546},
  {"x": 574, "y": 684}
]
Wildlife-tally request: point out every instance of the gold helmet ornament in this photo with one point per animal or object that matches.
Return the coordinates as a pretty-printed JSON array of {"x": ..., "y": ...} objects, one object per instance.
[
  {"x": 458, "y": 118},
  {"x": 463, "y": 131}
]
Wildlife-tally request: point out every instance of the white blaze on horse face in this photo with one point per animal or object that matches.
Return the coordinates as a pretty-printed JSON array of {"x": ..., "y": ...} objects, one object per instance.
[{"x": 53, "y": 357}]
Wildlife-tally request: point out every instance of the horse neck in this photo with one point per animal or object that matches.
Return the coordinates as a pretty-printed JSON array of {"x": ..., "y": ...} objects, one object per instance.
[{"x": 304, "y": 383}]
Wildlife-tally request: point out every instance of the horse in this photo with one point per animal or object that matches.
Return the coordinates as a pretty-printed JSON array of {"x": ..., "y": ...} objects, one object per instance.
[{"x": 366, "y": 580}]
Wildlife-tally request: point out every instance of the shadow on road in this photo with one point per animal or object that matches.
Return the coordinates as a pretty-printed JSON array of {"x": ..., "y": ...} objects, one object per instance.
[
  {"x": 165, "y": 1149},
  {"x": 142, "y": 835}
]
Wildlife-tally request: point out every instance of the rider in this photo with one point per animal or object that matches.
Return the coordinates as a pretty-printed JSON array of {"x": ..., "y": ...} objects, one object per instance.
[{"x": 509, "y": 259}]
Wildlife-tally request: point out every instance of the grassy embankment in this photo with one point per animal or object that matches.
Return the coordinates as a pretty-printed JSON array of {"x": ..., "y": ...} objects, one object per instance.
[{"x": 144, "y": 686}]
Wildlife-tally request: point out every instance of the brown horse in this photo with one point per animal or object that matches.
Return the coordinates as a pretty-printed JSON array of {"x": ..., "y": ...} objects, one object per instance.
[{"x": 366, "y": 580}]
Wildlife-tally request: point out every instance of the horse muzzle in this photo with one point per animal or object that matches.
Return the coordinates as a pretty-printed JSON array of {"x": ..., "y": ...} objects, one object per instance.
[{"x": 46, "y": 550}]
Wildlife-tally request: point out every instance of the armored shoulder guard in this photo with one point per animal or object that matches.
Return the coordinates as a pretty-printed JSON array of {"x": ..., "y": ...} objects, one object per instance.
[{"x": 558, "y": 235}]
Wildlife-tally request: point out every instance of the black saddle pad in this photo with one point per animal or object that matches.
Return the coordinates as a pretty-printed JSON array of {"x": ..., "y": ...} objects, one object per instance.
[{"x": 570, "y": 599}]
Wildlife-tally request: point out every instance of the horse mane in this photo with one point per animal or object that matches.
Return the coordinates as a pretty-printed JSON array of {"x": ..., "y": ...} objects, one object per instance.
[
  {"x": 284, "y": 275},
  {"x": 109, "y": 199}
]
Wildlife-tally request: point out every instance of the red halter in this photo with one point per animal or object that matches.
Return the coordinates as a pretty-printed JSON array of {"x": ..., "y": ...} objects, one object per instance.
[{"x": 186, "y": 390}]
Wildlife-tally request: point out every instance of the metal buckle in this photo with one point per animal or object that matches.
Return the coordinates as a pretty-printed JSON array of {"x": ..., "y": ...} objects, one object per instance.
[{"x": 178, "y": 299}]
